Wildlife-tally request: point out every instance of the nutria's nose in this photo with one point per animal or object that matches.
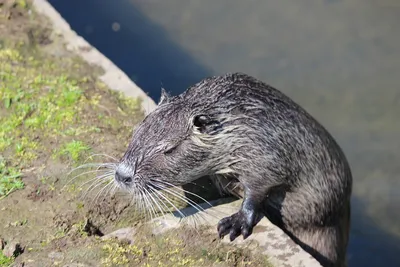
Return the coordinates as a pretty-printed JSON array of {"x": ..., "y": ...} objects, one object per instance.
[{"x": 125, "y": 179}]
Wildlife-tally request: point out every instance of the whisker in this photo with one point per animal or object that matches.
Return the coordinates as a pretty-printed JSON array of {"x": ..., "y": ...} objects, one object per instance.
[
  {"x": 98, "y": 165},
  {"x": 166, "y": 199},
  {"x": 185, "y": 191},
  {"x": 156, "y": 202},
  {"x": 109, "y": 189},
  {"x": 156, "y": 194},
  {"x": 184, "y": 198},
  {"x": 142, "y": 204},
  {"x": 133, "y": 201},
  {"x": 148, "y": 204},
  {"x": 91, "y": 203},
  {"x": 104, "y": 155},
  {"x": 137, "y": 201},
  {"x": 114, "y": 189},
  {"x": 183, "y": 216},
  {"x": 100, "y": 191},
  {"x": 91, "y": 187},
  {"x": 100, "y": 178},
  {"x": 205, "y": 210},
  {"x": 79, "y": 175},
  {"x": 87, "y": 193}
]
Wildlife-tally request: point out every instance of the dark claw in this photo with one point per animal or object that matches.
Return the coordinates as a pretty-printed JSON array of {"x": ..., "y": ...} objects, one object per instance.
[
  {"x": 235, "y": 232},
  {"x": 235, "y": 225},
  {"x": 246, "y": 232},
  {"x": 223, "y": 226}
]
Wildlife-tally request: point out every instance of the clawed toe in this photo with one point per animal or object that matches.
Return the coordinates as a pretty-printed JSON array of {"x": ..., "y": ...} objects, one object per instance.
[{"x": 235, "y": 226}]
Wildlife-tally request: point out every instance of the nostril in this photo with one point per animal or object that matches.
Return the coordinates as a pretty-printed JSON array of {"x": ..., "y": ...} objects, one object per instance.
[
  {"x": 123, "y": 178},
  {"x": 127, "y": 180}
]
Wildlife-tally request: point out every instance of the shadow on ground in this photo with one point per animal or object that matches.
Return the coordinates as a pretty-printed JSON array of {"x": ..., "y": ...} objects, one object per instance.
[{"x": 146, "y": 54}]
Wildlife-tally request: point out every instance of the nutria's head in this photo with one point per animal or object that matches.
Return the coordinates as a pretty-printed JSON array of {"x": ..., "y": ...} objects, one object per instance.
[
  {"x": 184, "y": 138},
  {"x": 165, "y": 148}
]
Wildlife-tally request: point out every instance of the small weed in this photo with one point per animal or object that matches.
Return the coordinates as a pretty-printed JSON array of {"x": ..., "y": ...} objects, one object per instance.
[
  {"x": 25, "y": 148},
  {"x": 22, "y": 3},
  {"x": 127, "y": 104},
  {"x": 80, "y": 228},
  {"x": 43, "y": 179},
  {"x": 170, "y": 250},
  {"x": 19, "y": 223},
  {"x": 118, "y": 254},
  {"x": 9, "y": 179},
  {"x": 60, "y": 233},
  {"x": 74, "y": 150},
  {"x": 5, "y": 261}
]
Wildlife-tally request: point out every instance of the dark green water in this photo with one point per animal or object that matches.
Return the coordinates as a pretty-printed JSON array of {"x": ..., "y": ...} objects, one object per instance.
[{"x": 339, "y": 59}]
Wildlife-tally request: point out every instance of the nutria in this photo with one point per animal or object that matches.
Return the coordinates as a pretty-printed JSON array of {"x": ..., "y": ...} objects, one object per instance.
[{"x": 239, "y": 129}]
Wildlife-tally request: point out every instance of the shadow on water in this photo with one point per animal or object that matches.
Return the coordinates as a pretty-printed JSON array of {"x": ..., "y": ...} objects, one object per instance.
[
  {"x": 137, "y": 46},
  {"x": 369, "y": 244},
  {"x": 146, "y": 54}
]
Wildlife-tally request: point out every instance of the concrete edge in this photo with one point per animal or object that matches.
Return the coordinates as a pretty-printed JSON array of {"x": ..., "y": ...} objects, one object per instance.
[
  {"x": 280, "y": 249},
  {"x": 113, "y": 76},
  {"x": 275, "y": 243}
]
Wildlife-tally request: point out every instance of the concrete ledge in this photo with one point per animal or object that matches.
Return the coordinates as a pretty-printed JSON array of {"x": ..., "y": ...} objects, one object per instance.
[
  {"x": 280, "y": 249},
  {"x": 275, "y": 243}
]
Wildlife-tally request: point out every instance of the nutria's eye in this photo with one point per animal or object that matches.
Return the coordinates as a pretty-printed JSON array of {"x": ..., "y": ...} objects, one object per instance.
[
  {"x": 170, "y": 148},
  {"x": 205, "y": 123},
  {"x": 201, "y": 120}
]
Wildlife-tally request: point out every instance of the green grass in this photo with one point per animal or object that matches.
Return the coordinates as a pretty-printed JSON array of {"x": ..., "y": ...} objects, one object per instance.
[
  {"x": 74, "y": 150},
  {"x": 49, "y": 109},
  {"x": 9, "y": 179},
  {"x": 177, "y": 249},
  {"x": 22, "y": 3},
  {"x": 5, "y": 261},
  {"x": 36, "y": 106},
  {"x": 33, "y": 100}
]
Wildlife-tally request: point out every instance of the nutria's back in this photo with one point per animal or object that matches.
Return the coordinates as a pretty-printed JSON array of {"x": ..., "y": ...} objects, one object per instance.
[{"x": 238, "y": 129}]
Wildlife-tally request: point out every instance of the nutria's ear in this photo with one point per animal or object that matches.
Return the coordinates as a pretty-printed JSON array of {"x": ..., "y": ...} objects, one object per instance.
[
  {"x": 204, "y": 123},
  {"x": 165, "y": 97}
]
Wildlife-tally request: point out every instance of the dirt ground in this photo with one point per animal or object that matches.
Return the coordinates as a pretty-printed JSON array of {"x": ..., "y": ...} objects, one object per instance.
[{"x": 55, "y": 115}]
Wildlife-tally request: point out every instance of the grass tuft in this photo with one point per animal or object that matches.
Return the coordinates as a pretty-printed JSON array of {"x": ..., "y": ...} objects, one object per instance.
[
  {"x": 5, "y": 261},
  {"x": 74, "y": 150},
  {"x": 10, "y": 179}
]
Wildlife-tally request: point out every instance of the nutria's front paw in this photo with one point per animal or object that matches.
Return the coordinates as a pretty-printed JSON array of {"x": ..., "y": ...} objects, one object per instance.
[{"x": 235, "y": 225}]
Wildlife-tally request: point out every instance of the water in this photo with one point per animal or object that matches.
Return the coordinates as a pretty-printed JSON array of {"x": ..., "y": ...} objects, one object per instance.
[{"x": 338, "y": 59}]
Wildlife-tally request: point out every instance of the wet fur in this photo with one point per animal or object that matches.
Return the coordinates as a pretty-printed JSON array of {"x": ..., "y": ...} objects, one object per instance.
[{"x": 256, "y": 141}]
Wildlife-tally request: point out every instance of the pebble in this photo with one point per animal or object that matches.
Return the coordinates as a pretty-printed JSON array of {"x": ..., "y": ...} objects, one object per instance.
[
  {"x": 54, "y": 255},
  {"x": 122, "y": 234}
]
